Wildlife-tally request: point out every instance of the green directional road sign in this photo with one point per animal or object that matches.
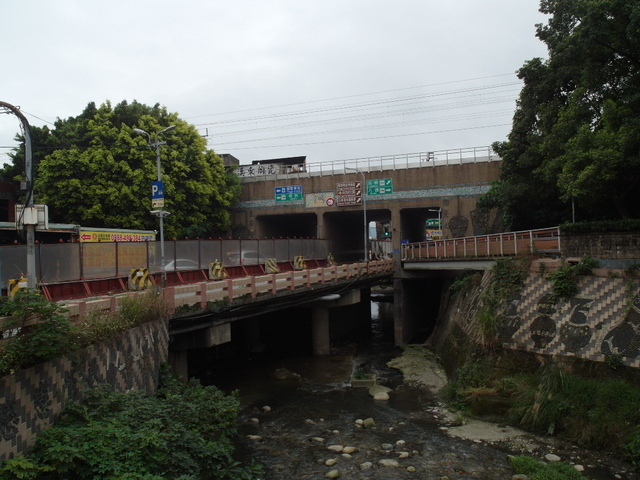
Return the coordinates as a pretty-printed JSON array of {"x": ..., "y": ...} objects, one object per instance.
[
  {"x": 288, "y": 194},
  {"x": 382, "y": 186},
  {"x": 433, "y": 222}
]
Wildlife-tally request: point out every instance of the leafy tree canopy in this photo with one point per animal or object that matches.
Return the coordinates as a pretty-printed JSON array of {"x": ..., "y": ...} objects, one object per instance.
[
  {"x": 94, "y": 170},
  {"x": 575, "y": 136}
]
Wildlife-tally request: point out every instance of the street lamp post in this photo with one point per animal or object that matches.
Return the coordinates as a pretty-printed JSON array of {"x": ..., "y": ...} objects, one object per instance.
[
  {"x": 364, "y": 210},
  {"x": 160, "y": 212}
]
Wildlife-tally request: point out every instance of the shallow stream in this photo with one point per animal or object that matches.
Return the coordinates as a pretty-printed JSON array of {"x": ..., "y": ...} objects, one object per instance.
[{"x": 296, "y": 413}]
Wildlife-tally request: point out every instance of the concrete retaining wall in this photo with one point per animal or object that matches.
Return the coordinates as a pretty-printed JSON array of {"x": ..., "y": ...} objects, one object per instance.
[
  {"x": 32, "y": 398},
  {"x": 619, "y": 246},
  {"x": 601, "y": 321}
]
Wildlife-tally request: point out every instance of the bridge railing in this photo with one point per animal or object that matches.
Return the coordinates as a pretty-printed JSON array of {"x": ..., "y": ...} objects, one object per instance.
[
  {"x": 373, "y": 164},
  {"x": 232, "y": 289},
  {"x": 545, "y": 240}
]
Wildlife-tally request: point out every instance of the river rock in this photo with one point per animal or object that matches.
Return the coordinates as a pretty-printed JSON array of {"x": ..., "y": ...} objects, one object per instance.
[
  {"x": 254, "y": 420},
  {"x": 375, "y": 389},
  {"x": 331, "y": 462},
  {"x": 368, "y": 423},
  {"x": 332, "y": 474},
  {"x": 388, "y": 462},
  {"x": 318, "y": 439},
  {"x": 349, "y": 449},
  {"x": 366, "y": 465},
  {"x": 255, "y": 438},
  {"x": 381, "y": 396},
  {"x": 266, "y": 408},
  {"x": 403, "y": 454},
  {"x": 335, "y": 448},
  {"x": 579, "y": 468},
  {"x": 387, "y": 447},
  {"x": 346, "y": 455},
  {"x": 411, "y": 469},
  {"x": 359, "y": 421},
  {"x": 551, "y": 457}
]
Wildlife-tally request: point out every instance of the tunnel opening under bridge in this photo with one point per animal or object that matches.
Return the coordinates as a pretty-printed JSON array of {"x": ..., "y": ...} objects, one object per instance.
[
  {"x": 346, "y": 229},
  {"x": 290, "y": 225}
]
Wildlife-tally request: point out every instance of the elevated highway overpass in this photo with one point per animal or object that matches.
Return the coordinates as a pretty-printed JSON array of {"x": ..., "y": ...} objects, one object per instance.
[{"x": 305, "y": 200}]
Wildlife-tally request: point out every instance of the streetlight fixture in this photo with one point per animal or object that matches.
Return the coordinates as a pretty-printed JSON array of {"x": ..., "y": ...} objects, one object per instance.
[
  {"x": 160, "y": 212},
  {"x": 364, "y": 209}
]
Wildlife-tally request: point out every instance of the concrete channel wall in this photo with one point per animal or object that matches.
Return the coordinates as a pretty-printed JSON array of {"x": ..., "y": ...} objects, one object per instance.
[
  {"x": 600, "y": 323},
  {"x": 32, "y": 398}
]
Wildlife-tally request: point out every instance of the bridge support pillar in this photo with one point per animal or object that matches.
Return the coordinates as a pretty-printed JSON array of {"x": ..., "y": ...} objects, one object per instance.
[
  {"x": 252, "y": 341},
  {"x": 321, "y": 326},
  {"x": 178, "y": 359},
  {"x": 320, "y": 331}
]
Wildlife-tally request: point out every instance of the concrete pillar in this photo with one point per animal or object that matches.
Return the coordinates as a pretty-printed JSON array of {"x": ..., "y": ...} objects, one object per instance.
[
  {"x": 179, "y": 362},
  {"x": 320, "y": 233},
  {"x": 321, "y": 338},
  {"x": 252, "y": 341}
]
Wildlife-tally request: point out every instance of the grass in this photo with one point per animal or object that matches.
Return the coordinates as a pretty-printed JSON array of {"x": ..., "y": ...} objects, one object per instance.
[{"x": 595, "y": 413}]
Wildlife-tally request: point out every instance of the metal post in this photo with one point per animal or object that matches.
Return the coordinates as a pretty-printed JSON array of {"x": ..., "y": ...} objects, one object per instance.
[
  {"x": 31, "y": 229},
  {"x": 160, "y": 212}
]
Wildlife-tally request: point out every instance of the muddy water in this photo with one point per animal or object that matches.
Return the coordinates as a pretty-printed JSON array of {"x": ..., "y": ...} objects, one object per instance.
[{"x": 295, "y": 409}]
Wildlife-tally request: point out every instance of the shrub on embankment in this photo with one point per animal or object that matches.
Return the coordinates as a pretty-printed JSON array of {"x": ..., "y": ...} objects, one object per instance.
[
  {"x": 183, "y": 432},
  {"x": 42, "y": 332}
]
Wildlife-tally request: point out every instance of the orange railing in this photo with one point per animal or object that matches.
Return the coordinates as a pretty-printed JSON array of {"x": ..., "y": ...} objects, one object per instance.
[
  {"x": 235, "y": 288},
  {"x": 545, "y": 240}
]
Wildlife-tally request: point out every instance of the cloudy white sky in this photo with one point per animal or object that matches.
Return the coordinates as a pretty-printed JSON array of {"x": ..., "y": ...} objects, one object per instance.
[{"x": 330, "y": 79}]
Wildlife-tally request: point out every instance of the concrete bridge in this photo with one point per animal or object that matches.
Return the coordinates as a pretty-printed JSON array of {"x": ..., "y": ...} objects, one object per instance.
[{"x": 400, "y": 192}]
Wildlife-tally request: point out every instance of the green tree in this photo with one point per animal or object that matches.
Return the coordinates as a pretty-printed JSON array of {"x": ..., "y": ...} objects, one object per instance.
[
  {"x": 94, "y": 170},
  {"x": 575, "y": 137}
]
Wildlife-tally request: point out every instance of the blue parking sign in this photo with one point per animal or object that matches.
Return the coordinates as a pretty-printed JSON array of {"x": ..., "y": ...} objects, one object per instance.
[{"x": 157, "y": 190}]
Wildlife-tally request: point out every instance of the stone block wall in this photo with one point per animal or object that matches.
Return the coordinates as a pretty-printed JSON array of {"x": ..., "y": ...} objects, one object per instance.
[
  {"x": 601, "y": 321},
  {"x": 620, "y": 246},
  {"x": 32, "y": 398}
]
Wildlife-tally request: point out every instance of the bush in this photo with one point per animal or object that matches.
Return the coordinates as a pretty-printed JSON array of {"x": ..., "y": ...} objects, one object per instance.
[
  {"x": 45, "y": 333},
  {"x": 537, "y": 470},
  {"x": 184, "y": 432},
  {"x": 565, "y": 280},
  {"x": 602, "y": 226}
]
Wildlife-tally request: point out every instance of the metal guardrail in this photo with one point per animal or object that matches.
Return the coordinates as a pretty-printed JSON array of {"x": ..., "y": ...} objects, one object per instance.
[
  {"x": 545, "y": 240},
  {"x": 229, "y": 289},
  {"x": 374, "y": 164}
]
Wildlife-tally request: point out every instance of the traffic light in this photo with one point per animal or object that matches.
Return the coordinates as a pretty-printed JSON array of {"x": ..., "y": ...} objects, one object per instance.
[{"x": 386, "y": 230}]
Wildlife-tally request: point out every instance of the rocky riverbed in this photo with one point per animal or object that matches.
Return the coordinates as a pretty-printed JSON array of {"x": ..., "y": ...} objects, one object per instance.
[{"x": 311, "y": 424}]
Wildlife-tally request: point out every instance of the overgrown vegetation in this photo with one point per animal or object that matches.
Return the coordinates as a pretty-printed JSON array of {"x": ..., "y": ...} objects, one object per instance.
[
  {"x": 184, "y": 432},
  {"x": 43, "y": 332},
  {"x": 596, "y": 413},
  {"x": 508, "y": 276},
  {"x": 624, "y": 225},
  {"x": 565, "y": 279},
  {"x": 462, "y": 284},
  {"x": 537, "y": 470}
]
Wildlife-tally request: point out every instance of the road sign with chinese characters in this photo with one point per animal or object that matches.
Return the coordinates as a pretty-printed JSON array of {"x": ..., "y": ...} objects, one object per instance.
[
  {"x": 348, "y": 193},
  {"x": 382, "y": 186},
  {"x": 288, "y": 194}
]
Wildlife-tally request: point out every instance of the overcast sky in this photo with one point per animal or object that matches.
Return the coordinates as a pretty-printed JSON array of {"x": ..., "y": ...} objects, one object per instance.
[{"x": 330, "y": 79}]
